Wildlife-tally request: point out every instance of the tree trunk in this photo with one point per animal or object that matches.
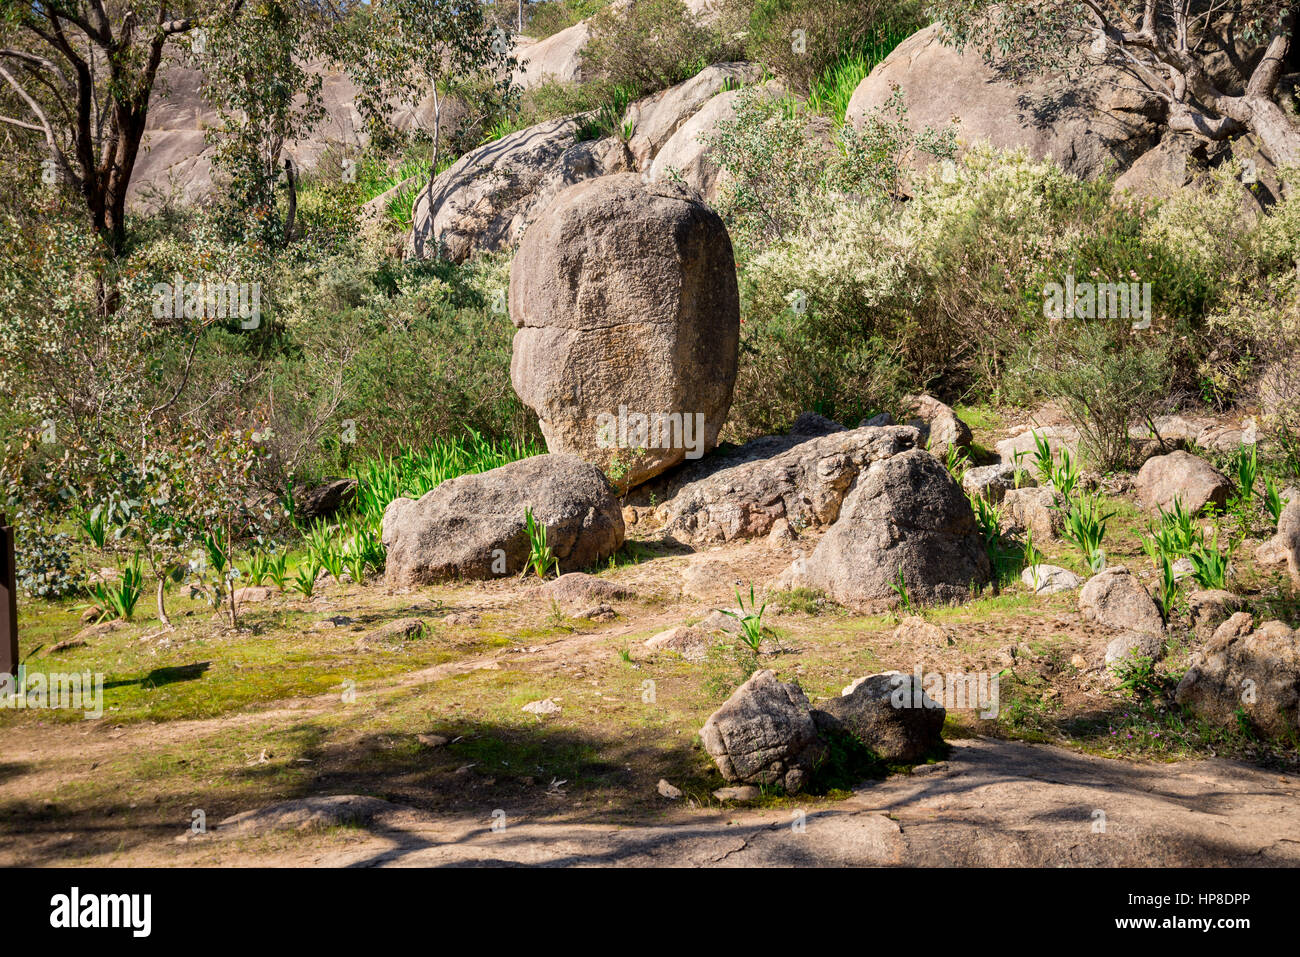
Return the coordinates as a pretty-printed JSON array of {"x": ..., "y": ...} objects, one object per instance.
[
  {"x": 162, "y": 608},
  {"x": 292, "y": 212},
  {"x": 1277, "y": 132}
]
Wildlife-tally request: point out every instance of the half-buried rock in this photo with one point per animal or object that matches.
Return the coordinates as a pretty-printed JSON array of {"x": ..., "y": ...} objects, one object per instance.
[
  {"x": 624, "y": 296},
  {"x": 890, "y": 713},
  {"x": 907, "y": 519},
  {"x": 474, "y": 526}
]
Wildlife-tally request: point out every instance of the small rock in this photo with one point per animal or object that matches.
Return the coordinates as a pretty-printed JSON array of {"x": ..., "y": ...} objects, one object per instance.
[
  {"x": 1116, "y": 599},
  {"x": 992, "y": 482},
  {"x": 919, "y": 631},
  {"x": 1050, "y": 579},
  {"x": 1079, "y": 662},
  {"x": 1251, "y": 671},
  {"x": 460, "y": 618},
  {"x": 1181, "y": 476},
  {"x": 545, "y": 706},
  {"x": 583, "y": 589},
  {"x": 600, "y": 612},
  {"x": 431, "y": 740},
  {"x": 691, "y": 643},
  {"x": 403, "y": 629},
  {"x": 745, "y": 792},
  {"x": 668, "y": 791},
  {"x": 764, "y": 734},
  {"x": 718, "y": 621},
  {"x": 781, "y": 535},
  {"x": 1133, "y": 644}
]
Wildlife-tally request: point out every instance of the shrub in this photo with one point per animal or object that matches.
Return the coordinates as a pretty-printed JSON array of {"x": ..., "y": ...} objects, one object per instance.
[
  {"x": 649, "y": 45},
  {"x": 44, "y": 563},
  {"x": 1106, "y": 378},
  {"x": 831, "y": 29}
]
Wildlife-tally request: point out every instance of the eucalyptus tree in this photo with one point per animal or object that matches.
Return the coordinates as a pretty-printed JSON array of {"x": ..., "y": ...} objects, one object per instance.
[{"x": 1218, "y": 65}]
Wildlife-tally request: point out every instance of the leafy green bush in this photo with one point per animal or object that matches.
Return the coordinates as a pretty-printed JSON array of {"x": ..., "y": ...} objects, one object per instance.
[
  {"x": 831, "y": 31},
  {"x": 649, "y": 45},
  {"x": 44, "y": 563}
]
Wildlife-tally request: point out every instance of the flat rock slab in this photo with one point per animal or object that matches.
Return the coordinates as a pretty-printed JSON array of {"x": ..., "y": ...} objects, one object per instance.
[
  {"x": 800, "y": 478},
  {"x": 992, "y": 803}
]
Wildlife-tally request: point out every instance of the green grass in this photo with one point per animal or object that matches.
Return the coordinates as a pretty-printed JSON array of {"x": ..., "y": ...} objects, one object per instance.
[
  {"x": 412, "y": 472},
  {"x": 831, "y": 92}
]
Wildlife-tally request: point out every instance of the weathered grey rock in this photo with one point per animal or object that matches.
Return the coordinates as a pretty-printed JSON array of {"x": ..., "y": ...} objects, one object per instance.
[
  {"x": 1132, "y": 645},
  {"x": 691, "y": 643},
  {"x": 176, "y": 157},
  {"x": 906, "y": 513},
  {"x": 486, "y": 199},
  {"x": 1033, "y": 510},
  {"x": 1256, "y": 671},
  {"x": 326, "y": 500},
  {"x": 992, "y": 482},
  {"x": 1089, "y": 126},
  {"x": 1050, "y": 579},
  {"x": 938, "y": 424},
  {"x": 656, "y": 118},
  {"x": 1058, "y": 437},
  {"x": 1288, "y": 537},
  {"x": 1210, "y": 608},
  {"x": 251, "y": 594},
  {"x": 686, "y": 155},
  {"x": 1222, "y": 438},
  {"x": 473, "y": 526},
  {"x": 580, "y": 588},
  {"x": 764, "y": 734},
  {"x": 718, "y": 620},
  {"x": 1181, "y": 476},
  {"x": 1116, "y": 599},
  {"x": 626, "y": 303},
  {"x": 555, "y": 59},
  {"x": 803, "y": 483},
  {"x": 889, "y": 713}
]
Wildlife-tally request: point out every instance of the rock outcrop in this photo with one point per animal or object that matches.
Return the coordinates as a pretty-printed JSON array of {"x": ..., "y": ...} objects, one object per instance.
[
  {"x": 744, "y": 494},
  {"x": 656, "y": 118},
  {"x": 485, "y": 200},
  {"x": 1089, "y": 126},
  {"x": 906, "y": 516},
  {"x": 1254, "y": 671}
]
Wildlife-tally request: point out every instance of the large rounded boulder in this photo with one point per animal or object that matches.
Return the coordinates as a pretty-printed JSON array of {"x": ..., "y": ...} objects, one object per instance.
[
  {"x": 1090, "y": 125},
  {"x": 906, "y": 517},
  {"x": 628, "y": 315},
  {"x": 475, "y": 526}
]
